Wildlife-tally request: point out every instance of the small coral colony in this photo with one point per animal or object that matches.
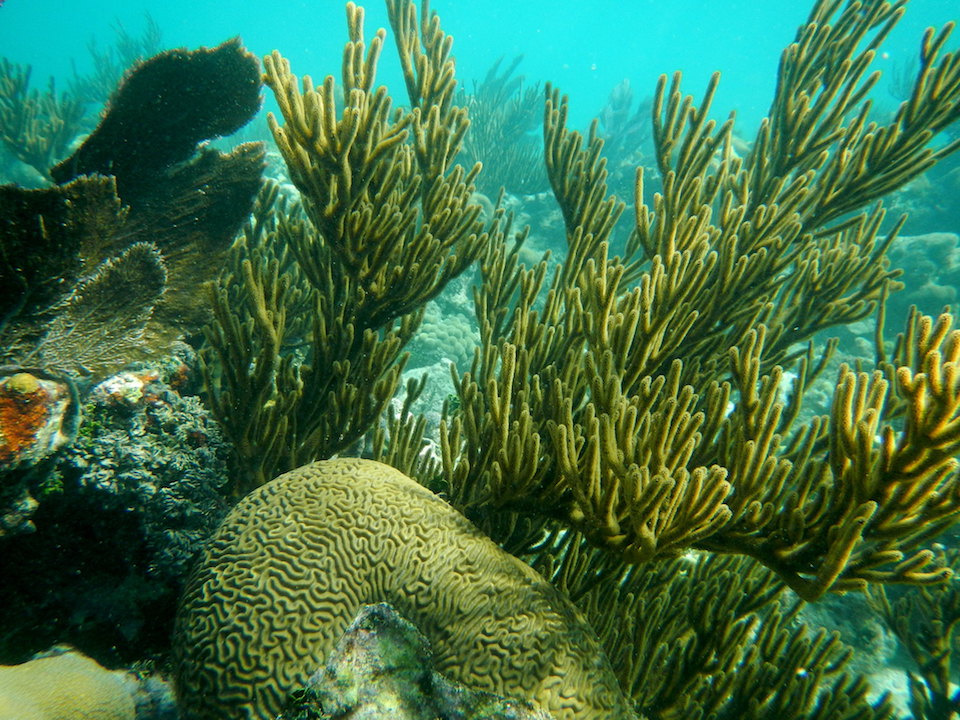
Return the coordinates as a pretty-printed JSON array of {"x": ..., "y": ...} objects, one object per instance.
[{"x": 656, "y": 418}]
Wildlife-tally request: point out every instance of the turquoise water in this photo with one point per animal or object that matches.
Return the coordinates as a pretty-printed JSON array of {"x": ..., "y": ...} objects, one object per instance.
[{"x": 585, "y": 48}]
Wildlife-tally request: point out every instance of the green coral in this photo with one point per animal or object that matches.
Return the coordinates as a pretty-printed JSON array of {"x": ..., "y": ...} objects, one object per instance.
[{"x": 294, "y": 561}]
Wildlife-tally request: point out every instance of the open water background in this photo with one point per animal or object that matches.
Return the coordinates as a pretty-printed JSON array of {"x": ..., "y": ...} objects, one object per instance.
[{"x": 586, "y": 48}]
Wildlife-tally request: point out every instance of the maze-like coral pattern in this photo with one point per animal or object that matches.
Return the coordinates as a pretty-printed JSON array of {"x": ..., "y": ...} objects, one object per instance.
[{"x": 294, "y": 561}]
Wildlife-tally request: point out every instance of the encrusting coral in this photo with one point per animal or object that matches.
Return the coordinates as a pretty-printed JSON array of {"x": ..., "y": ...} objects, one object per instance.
[
  {"x": 38, "y": 415},
  {"x": 297, "y": 558}
]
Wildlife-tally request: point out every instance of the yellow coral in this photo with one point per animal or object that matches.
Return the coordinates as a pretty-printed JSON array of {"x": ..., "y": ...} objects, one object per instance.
[
  {"x": 70, "y": 686},
  {"x": 296, "y": 559}
]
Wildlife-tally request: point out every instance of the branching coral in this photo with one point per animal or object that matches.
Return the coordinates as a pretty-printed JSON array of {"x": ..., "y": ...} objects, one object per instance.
[
  {"x": 398, "y": 257},
  {"x": 37, "y": 128},
  {"x": 925, "y": 620},
  {"x": 608, "y": 406},
  {"x": 503, "y": 120},
  {"x": 388, "y": 222},
  {"x": 707, "y": 635}
]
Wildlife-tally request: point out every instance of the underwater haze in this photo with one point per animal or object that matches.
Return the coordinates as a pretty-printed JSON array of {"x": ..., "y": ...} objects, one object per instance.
[
  {"x": 604, "y": 368},
  {"x": 584, "y": 48}
]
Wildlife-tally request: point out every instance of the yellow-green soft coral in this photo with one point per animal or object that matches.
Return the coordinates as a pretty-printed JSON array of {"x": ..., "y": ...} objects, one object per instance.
[
  {"x": 296, "y": 559},
  {"x": 70, "y": 686}
]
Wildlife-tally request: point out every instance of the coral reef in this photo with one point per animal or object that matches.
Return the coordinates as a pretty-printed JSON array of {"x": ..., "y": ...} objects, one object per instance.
[
  {"x": 17, "y": 507},
  {"x": 707, "y": 635},
  {"x": 39, "y": 129},
  {"x": 294, "y": 561},
  {"x": 625, "y": 409},
  {"x": 149, "y": 141},
  {"x": 928, "y": 199},
  {"x": 41, "y": 260},
  {"x": 632, "y": 425},
  {"x": 119, "y": 516},
  {"x": 104, "y": 268},
  {"x": 874, "y": 652},
  {"x": 101, "y": 323},
  {"x": 161, "y": 111},
  {"x": 382, "y": 667},
  {"x": 386, "y": 221},
  {"x": 109, "y": 264},
  {"x": 437, "y": 392}
]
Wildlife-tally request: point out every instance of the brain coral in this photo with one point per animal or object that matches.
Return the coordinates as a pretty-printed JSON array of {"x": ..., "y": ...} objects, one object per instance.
[
  {"x": 296, "y": 559},
  {"x": 69, "y": 686}
]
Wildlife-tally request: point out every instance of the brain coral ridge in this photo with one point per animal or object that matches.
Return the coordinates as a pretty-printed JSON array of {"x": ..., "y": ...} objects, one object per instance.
[{"x": 296, "y": 559}]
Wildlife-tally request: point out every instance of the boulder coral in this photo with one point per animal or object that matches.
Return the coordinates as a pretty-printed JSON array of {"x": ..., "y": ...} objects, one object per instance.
[
  {"x": 68, "y": 686},
  {"x": 297, "y": 558}
]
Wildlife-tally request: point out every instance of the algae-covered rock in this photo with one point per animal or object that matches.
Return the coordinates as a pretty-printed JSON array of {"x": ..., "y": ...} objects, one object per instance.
[
  {"x": 38, "y": 415},
  {"x": 117, "y": 519},
  {"x": 383, "y": 668}
]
